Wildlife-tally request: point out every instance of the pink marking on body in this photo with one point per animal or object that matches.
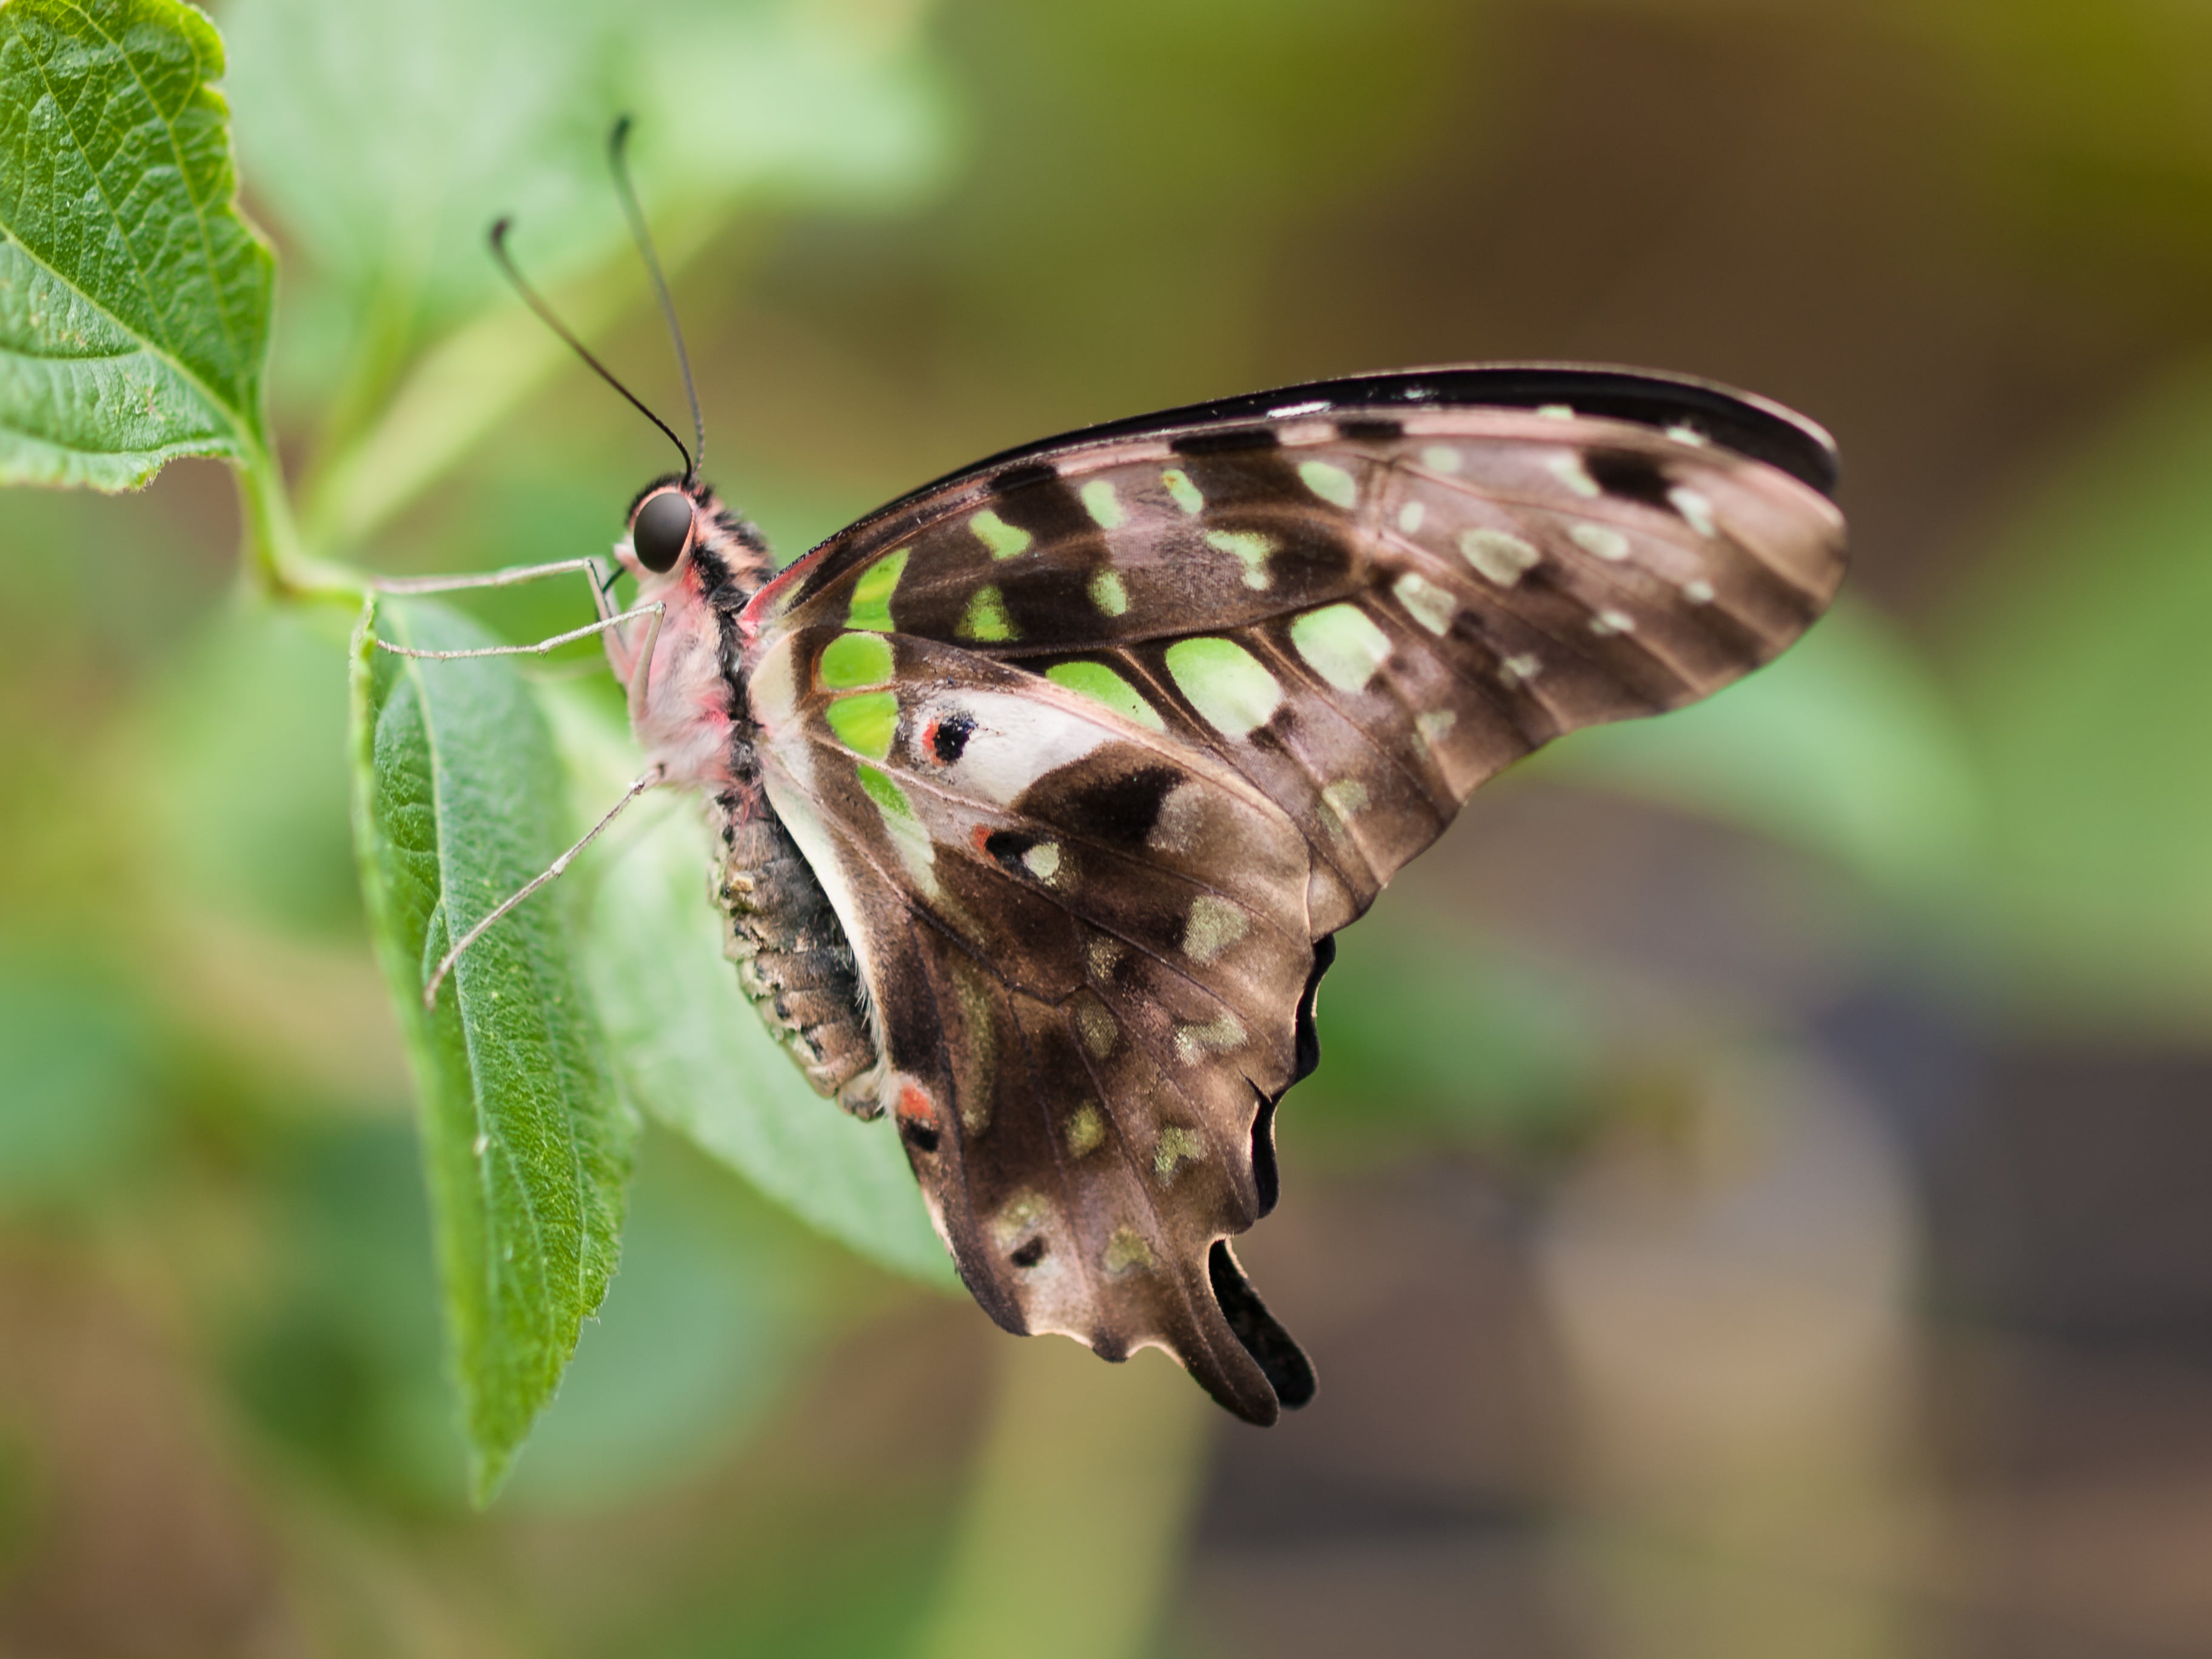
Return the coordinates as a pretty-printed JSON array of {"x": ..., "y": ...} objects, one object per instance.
[
  {"x": 915, "y": 1105},
  {"x": 755, "y": 615}
]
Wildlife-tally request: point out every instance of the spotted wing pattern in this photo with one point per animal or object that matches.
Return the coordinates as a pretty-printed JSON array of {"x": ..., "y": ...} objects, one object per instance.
[{"x": 1094, "y": 747}]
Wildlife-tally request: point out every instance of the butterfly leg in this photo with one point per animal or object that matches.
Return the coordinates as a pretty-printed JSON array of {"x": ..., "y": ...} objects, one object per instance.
[
  {"x": 640, "y": 676},
  {"x": 593, "y": 569},
  {"x": 645, "y": 780},
  {"x": 606, "y": 624}
]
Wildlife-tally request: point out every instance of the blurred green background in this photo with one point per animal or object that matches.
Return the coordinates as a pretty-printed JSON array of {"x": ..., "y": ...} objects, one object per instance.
[{"x": 1757, "y": 1198}]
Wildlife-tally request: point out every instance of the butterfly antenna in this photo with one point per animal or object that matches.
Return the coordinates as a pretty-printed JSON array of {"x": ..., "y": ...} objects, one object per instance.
[
  {"x": 545, "y": 315},
  {"x": 617, "y": 156}
]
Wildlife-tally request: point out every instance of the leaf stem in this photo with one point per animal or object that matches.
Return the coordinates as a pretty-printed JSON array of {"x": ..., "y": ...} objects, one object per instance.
[{"x": 275, "y": 559}]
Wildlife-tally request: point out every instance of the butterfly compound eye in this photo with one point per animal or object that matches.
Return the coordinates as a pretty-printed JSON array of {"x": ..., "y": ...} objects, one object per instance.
[{"x": 661, "y": 530}]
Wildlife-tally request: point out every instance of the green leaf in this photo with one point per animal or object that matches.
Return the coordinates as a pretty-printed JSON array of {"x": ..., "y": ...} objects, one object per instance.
[
  {"x": 387, "y": 137},
  {"x": 525, "y": 1141},
  {"x": 1845, "y": 746},
  {"x": 134, "y": 297},
  {"x": 384, "y": 139},
  {"x": 692, "y": 1051},
  {"x": 2079, "y": 652}
]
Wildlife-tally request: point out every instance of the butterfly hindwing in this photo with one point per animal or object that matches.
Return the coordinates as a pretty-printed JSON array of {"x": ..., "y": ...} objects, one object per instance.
[
  {"x": 1081, "y": 1008},
  {"x": 1093, "y": 748}
]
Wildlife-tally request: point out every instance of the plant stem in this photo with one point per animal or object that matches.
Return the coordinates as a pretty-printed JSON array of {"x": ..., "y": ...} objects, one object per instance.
[
  {"x": 1073, "y": 1538},
  {"x": 273, "y": 557}
]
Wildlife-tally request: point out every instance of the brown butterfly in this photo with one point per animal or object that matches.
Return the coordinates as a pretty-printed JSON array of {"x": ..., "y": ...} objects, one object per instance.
[{"x": 1042, "y": 790}]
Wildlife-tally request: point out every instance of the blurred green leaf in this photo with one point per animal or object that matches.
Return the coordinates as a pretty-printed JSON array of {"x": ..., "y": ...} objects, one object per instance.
[
  {"x": 73, "y": 1096},
  {"x": 715, "y": 1304},
  {"x": 2080, "y": 655},
  {"x": 246, "y": 768},
  {"x": 134, "y": 298},
  {"x": 525, "y": 1141},
  {"x": 1844, "y": 746},
  {"x": 691, "y": 1049},
  {"x": 341, "y": 1364},
  {"x": 386, "y": 139},
  {"x": 1425, "y": 1035}
]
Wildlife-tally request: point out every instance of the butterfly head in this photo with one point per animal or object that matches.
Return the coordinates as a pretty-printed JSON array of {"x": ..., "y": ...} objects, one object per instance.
[{"x": 683, "y": 542}]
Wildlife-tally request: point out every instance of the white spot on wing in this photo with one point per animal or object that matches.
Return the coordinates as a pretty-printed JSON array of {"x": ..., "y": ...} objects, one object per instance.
[
  {"x": 1696, "y": 509},
  {"x": 1613, "y": 622},
  {"x": 1556, "y": 411},
  {"x": 1569, "y": 471},
  {"x": 1015, "y": 742},
  {"x": 1602, "y": 539},
  {"x": 1499, "y": 554},
  {"x": 1193, "y": 1042},
  {"x": 1432, "y": 606},
  {"x": 1441, "y": 458},
  {"x": 1410, "y": 517},
  {"x": 1344, "y": 798},
  {"x": 1519, "y": 668},
  {"x": 1698, "y": 591},
  {"x": 1043, "y": 859},
  {"x": 1214, "y": 925}
]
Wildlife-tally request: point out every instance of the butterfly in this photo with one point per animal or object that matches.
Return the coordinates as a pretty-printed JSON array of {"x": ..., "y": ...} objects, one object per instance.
[{"x": 1041, "y": 792}]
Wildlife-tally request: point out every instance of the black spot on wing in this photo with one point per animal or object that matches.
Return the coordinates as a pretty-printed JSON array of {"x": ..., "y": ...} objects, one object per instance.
[
  {"x": 1375, "y": 431},
  {"x": 1281, "y": 1361},
  {"x": 1629, "y": 474},
  {"x": 948, "y": 736},
  {"x": 1016, "y": 478},
  {"x": 1226, "y": 443},
  {"x": 1028, "y": 1254},
  {"x": 1122, "y": 811},
  {"x": 1006, "y": 847}
]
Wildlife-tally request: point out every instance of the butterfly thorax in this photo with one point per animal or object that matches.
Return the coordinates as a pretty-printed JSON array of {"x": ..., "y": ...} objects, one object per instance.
[
  {"x": 794, "y": 963},
  {"x": 691, "y": 716}
]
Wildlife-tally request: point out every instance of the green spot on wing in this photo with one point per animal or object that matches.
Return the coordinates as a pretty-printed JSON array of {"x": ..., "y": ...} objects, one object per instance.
[
  {"x": 1342, "y": 645},
  {"x": 1251, "y": 548},
  {"x": 1329, "y": 482},
  {"x": 1182, "y": 492},
  {"x": 1108, "y": 594},
  {"x": 1225, "y": 682},
  {"x": 1099, "y": 502},
  {"x": 986, "y": 617},
  {"x": 852, "y": 660},
  {"x": 1096, "y": 681},
  {"x": 1005, "y": 540},
  {"x": 864, "y": 722},
  {"x": 889, "y": 797},
  {"x": 872, "y": 594}
]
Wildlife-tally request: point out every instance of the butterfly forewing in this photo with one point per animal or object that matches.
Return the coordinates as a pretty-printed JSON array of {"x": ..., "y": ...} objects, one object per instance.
[{"x": 1092, "y": 748}]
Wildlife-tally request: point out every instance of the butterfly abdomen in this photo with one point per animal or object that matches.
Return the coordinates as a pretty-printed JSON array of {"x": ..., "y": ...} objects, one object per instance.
[{"x": 793, "y": 961}]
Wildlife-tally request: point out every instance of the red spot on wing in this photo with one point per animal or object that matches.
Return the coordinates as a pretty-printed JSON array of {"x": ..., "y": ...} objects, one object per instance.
[{"x": 915, "y": 1105}]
